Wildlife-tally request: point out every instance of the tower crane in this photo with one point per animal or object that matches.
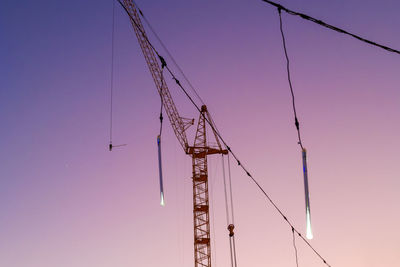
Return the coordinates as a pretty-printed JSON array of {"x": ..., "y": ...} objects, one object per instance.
[{"x": 200, "y": 149}]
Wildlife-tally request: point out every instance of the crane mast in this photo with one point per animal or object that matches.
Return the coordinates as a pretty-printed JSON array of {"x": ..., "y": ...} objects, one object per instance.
[
  {"x": 201, "y": 218},
  {"x": 199, "y": 151}
]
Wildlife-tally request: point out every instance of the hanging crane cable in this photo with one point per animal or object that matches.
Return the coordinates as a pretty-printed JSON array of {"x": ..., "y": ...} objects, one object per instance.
[
  {"x": 331, "y": 27},
  {"x": 230, "y": 189},
  {"x": 230, "y": 219},
  {"x": 162, "y": 201},
  {"x": 303, "y": 150},
  {"x": 295, "y": 248},
  {"x": 230, "y": 150},
  {"x": 296, "y": 121},
  {"x": 229, "y": 212},
  {"x": 243, "y": 167},
  {"x": 110, "y": 144}
]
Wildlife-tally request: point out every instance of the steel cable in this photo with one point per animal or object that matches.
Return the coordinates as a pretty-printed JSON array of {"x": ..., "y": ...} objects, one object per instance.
[
  {"x": 220, "y": 136},
  {"x": 331, "y": 27}
]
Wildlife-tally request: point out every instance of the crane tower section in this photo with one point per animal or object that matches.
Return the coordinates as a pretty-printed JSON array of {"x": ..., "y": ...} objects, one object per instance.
[
  {"x": 201, "y": 218},
  {"x": 198, "y": 152}
]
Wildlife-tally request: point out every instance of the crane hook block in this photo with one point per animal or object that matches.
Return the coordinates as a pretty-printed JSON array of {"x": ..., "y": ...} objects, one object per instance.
[
  {"x": 230, "y": 228},
  {"x": 110, "y": 146}
]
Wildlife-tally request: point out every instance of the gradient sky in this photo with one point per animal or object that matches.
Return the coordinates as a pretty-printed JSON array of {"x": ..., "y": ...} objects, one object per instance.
[{"x": 65, "y": 200}]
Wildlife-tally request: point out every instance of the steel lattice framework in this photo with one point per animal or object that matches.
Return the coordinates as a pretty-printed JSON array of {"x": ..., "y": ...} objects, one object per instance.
[
  {"x": 201, "y": 218},
  {"x": 178, "y": 123},
  {"x": 199, "y": 151}
]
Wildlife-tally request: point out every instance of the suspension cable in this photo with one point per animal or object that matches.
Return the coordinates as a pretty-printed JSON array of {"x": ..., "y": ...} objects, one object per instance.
[
  {"x": 230, "y": 189},
  {"x": 222, "y": 139},
  {"x": 168, "y": 53},
  {"x": 296, "y": 121},
  {"x": 211, "y": 205},
  {"x": 242, "y": 166},
  {"x": 112, "y": 76},
  {"x": 110, "y": 145},
  {"x": 234, "y": 250},
  {"x": 331, "y": 27},
  {"x": 232, "y": 213},
  {"x": 295, "y": 248},
  {"x": 161, "y": 100},
  {"x": 229, "y": 219}
]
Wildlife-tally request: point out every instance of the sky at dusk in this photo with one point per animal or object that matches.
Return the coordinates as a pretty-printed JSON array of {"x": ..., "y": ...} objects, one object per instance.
[{"x": 65, "y": 200}]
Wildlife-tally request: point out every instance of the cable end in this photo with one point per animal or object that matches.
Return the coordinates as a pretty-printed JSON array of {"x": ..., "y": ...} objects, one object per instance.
[{"x": 162, "y": 202}]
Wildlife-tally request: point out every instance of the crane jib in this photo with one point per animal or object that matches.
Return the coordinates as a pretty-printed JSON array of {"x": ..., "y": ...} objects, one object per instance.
[
  {"x": 198, "y": 152},
  {"x": 156, "y": 73}
]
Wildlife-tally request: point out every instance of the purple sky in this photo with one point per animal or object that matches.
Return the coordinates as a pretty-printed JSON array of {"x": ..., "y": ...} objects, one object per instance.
[{"x": 65, "y": 200}]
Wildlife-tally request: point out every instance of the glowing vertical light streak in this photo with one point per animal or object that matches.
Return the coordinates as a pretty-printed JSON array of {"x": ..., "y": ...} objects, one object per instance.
[
  {"x": 309, "y": 234},
  {"x": 160, "y": 171}
]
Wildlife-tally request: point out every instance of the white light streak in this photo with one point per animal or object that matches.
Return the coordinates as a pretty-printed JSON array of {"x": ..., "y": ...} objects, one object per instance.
[
  {"x": 309, "y": 234},
  {"x": 160, "y": 171},
  {"x": 162, "y": 199}
]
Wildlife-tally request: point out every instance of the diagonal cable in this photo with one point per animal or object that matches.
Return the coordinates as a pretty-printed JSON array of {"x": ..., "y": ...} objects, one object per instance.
[
  {"x": 296, "y": 121},
  {"x": 222, "y": 139},
  {"x": 168, "y": 53},
  {"x": 295, "y": 248},
  {"x": 331, "y": 27}
]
